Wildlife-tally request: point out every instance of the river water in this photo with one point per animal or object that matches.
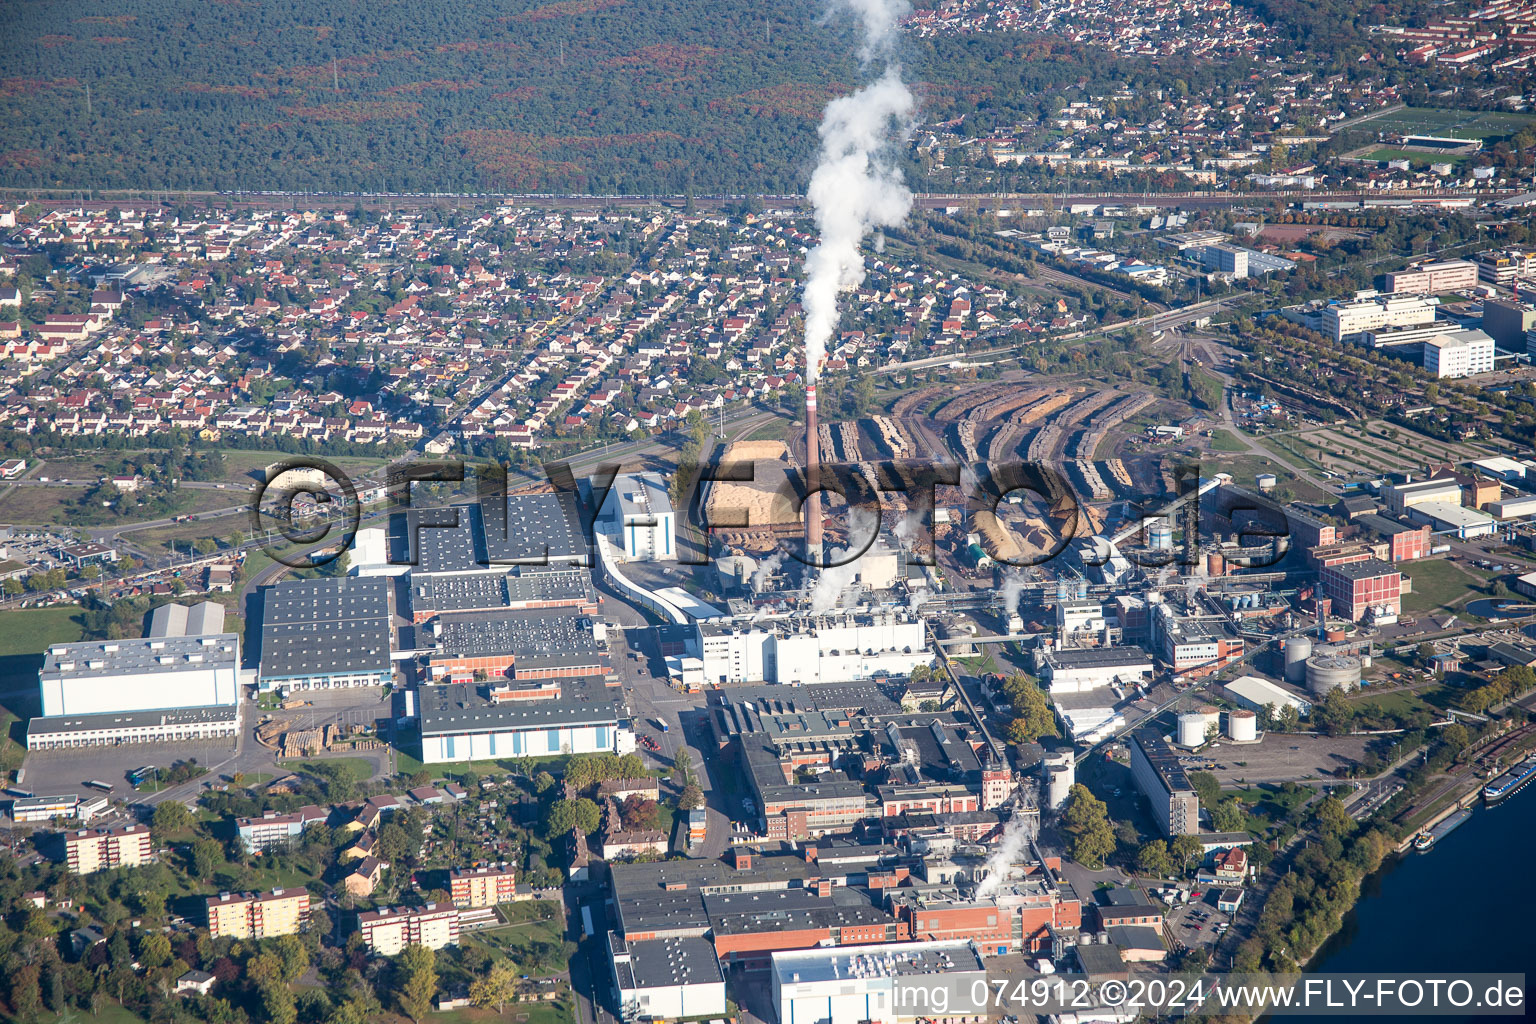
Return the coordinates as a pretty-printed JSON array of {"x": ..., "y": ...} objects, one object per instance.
[{"x": 1465, "y": 905}]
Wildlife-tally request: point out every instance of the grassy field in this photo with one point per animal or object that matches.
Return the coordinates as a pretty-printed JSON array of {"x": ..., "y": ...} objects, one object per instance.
[
  {"x": 29, "y": 631},
  {"x": 1459, "y": 124},
  {"x": 23, "y": 636},
  {"x": 1225, "y": 441},
  {"x": 39, "y": 505},
  {"x": 357, "y": 767},
  {"x": 517, "y": 1013},
  {"x": 1431, "y": 698},
  {"x": 407, "y": 764},
  {"x": 111, "y": 1013},
  {"x": 1417, "y": 158},
  {"x": 241, "y": 466},
  {"x": 773, "y": 430},
  {"x": 1436, "y": 584}
]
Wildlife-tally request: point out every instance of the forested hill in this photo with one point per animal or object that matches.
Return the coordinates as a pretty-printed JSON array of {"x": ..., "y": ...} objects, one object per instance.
[{"x": 456, "y": 95}]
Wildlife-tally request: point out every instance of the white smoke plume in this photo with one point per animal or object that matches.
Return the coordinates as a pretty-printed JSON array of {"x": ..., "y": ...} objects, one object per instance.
[
  {"x": 834, "y": 583},
  {"x": 856, "y": 187},
  {"x": 1020, "y": 831},
  {"x": 766, "y": 568},
  {"x": 1013, "y": 589}
]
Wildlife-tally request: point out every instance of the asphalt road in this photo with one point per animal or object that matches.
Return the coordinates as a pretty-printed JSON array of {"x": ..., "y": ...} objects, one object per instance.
[{"x": 652, "y": 700}]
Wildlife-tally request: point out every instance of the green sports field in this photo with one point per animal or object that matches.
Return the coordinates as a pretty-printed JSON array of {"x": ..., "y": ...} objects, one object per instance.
[{"x": 1488, "y": 125}]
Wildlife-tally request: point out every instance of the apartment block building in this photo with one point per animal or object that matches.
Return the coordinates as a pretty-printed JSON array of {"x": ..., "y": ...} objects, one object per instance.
[
  {"x": 483, "y": 886},
  {"x": 390, "y": 930},
  {"x": 101, "y": 849},
  {"x": 258, "y": 915},
  {"x": 273, "y": 829}
]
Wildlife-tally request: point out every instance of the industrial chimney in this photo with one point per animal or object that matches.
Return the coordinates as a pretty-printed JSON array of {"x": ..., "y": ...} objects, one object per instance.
[{"x": 812, "y": 510}]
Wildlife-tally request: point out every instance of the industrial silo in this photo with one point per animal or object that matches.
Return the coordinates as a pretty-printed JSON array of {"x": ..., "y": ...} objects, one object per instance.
[
  {"x": 1060, "y": 774},
  {"x": 1160, "y": 536},
  {"x": 1331, "y": 671},
  {"x": 735, "y": 570},
  {"x": 1297, "y": 650},
  {"x": 1242, "y": 726},
  {"x": 1194, "y": 725}
]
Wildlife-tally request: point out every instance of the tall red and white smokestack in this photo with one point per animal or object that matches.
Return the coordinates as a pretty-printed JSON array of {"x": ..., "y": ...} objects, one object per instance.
[{"x": 813, "y": 480}]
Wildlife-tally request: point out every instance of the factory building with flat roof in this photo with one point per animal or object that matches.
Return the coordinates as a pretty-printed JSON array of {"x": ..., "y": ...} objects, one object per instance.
[
  {"x": 666, "y": 979},
  {"x": 1073, "y": 671},
  {"x": 1358, "y": 588},
  {"x": 326, "y": 633},
  {"x": 465, "y": 722},
  {"x": 888, "y": 983},
  {"x": 139, "y": 690},
  {"x": 522, "y": 645}
]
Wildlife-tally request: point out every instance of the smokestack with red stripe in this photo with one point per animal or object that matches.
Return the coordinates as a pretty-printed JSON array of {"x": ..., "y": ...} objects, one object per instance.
[{"x": 812, "y": 480}]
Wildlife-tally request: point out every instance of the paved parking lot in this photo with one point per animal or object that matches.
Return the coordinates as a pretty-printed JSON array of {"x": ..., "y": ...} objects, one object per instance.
[
  {"x": 1283, "y": 757},
  {"x": 1197, "y": 923},
  {"x": 57, "y": 772}
]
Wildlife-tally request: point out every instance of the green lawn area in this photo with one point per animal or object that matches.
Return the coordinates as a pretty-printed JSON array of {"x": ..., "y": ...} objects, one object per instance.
[
  {"x": 1430, "y": 698},
  {"x": 408, "y": 764},
  {"x": 1225, "y": 441},
  {"x": 529, "y": 922},
  {"x": 1436, "y": 584},
  {"x": 1417, "y": 158},
  {"x": 357, "y": 767},
  {"x": 1458, "y": 124},
  {"x": 517, "y": 1013},
  {"x": 774, "y": 430},
  {"x": 24, "y": 634},
  {"x": 1269, "y": 804},
  {"x": 111, "y": 1013},
  {"x": 270, "y": 878},
  {"x": 31, "y": 630}
]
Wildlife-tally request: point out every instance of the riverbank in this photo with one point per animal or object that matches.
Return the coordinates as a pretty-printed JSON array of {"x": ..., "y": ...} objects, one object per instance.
[{"x": 1446, "y": 910}]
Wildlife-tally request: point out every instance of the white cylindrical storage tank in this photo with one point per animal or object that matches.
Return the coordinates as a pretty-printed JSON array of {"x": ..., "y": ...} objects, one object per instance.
[
  {"x": 1297, "y": 650},
  {"x": 1331, "y": 671},
  {"x": 1160, "y": 535},
  {"x": 1266, "y": 481},
  {"x": 1211, "y": 717},
  {"x": 1191, "y": 729},
  {"x": 1242, "y": 726}
]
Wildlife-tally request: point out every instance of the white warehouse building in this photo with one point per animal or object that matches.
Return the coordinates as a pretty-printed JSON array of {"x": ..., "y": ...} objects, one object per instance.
[
  {"x": 813, "y": 651},
  {"x": 637, "y": 511},
  {"x": 1076, "y": 671},
  {"x": 1253, "y": 694},
  {"x": 891, "y": 983},
  {"x": 144, "y": 674},
  {"x": 143, "y": 690},
  {"x": 460, "y": 722},
  {"x": 842, "y": 652}
]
